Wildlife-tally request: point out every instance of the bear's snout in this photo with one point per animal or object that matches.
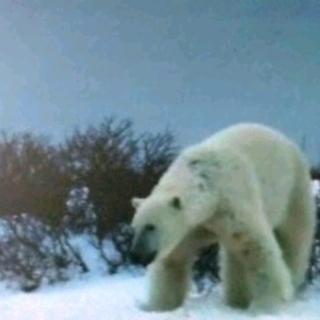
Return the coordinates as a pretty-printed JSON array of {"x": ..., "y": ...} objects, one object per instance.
[{"x": 141, "y": 252}]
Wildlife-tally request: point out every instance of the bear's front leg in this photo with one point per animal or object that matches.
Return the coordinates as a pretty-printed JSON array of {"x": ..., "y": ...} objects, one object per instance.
[
  {"x": 169, "y": 280},
  {"x": 268, "y": 277}
]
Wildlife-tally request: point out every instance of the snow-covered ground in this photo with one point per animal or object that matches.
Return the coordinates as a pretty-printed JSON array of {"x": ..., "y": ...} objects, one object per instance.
[{"x": 115, "y": 298}]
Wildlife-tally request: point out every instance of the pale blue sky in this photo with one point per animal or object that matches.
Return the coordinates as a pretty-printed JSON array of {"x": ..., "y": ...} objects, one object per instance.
[{"x": 192, "y": 66}]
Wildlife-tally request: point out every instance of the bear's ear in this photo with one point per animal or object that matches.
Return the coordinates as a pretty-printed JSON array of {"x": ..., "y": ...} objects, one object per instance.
[
  {"x": 175, "y": 202},
  {"x": 136, "y": 202}
]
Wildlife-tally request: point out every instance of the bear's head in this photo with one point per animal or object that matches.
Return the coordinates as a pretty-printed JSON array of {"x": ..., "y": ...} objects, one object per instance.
[
  {"x": 158, "y": 224},
  {"x": 185, "y": 198}
]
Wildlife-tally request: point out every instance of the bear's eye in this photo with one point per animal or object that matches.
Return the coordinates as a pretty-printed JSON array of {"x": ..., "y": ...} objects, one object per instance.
[{"x": 150, "y": 227}]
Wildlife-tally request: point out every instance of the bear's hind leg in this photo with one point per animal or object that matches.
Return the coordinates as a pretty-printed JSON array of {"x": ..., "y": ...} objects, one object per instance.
[
  {"x": 268, "y": 276},
  {"x": 235, "y": 281},
  {"x": 295, "y": 235}
]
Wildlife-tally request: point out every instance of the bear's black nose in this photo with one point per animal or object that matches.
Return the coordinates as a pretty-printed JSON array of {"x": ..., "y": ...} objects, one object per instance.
[
  {"x": 143, "y": 260},
  {"x": 140, "y": 256}
]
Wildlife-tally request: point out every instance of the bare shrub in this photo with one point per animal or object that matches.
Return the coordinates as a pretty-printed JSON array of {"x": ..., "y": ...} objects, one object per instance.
[{"x": 32, "y": 253}]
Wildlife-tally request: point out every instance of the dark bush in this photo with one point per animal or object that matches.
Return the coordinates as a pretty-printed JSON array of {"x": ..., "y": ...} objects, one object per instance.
[
  {"x": 32, "y": 253},
  {"x": 115, "y": 165},
  {"x": 80, "y": 217},
  {"x": 32, "y": 178},
  {"x": 314, "y": 267},
  {"x": 315, "y": 173},
  {"x": 120, "y": 238}
]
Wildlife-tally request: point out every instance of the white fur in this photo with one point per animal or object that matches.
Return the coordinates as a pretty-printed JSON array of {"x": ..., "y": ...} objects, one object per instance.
[{"x": 248, "y": 188}]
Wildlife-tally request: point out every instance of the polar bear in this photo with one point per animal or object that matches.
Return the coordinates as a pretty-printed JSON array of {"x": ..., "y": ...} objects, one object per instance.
[{"x": 248, "y": 188}]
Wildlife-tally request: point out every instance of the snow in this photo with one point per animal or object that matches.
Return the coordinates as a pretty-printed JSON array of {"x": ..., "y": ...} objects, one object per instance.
[{"x": 116, "y": 298}]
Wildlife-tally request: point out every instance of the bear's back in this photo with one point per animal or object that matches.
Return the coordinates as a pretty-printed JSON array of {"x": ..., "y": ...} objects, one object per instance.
[{"x": 274, "y": 158}]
